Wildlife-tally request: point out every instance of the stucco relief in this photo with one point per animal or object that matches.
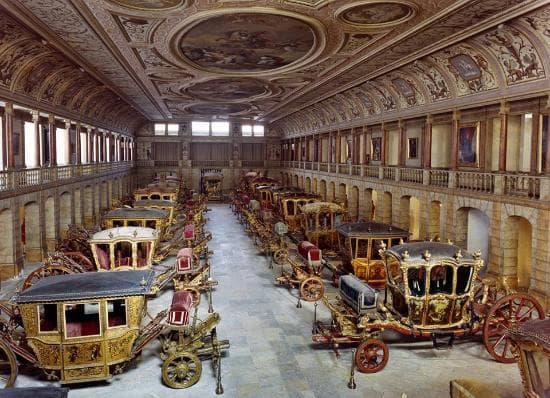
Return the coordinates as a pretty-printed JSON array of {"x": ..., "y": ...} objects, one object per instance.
[
  {"x": 540, "y": 23},
  {"x": 136, "y": 29},
  {"x": 516, "y": 54},
  {"x": 370, "y": 105},
  {"x": 384, "y": 96},
  {"x": 29, "y": 80},
  {"x": 151, "y": 59},
  {"x": 377, "y": 13},
  {"x": 13, "y": 59},
  {"x": 470, "y": 69},
  {"x": 432, "y": 79},
  {"x": 149, "y": 5},
  {"x": 409, "y": 94},
  {"x": 229, "y": 89}
]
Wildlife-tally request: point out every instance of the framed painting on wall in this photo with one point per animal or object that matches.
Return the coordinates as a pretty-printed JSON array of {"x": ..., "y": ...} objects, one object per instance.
[
  {"x": 412, "y": 149},
  {"x": 376, "y": 149},
  {"x": 468, "y": 145}
]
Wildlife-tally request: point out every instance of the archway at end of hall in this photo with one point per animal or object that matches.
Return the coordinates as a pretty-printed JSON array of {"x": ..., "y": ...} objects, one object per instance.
[{"x": 517, "y": 247}]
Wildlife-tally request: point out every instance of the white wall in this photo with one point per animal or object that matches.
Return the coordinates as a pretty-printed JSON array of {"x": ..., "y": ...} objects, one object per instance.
[
  {"x": 31, "y": 146},
  {"x": 441, "y": 145},
  {"x": 478, "y": 233},
  {"x": 393, "y": 147}
]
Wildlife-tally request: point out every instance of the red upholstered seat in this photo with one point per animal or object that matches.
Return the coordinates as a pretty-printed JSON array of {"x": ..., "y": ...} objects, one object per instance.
[
  {"x": 189, "y": 231},
  {"x": 310, "y": 253},
  {"x": 182, "y": 302},
  {"x": 184, "y": 260},
  {"x": 103, "y": 258}
]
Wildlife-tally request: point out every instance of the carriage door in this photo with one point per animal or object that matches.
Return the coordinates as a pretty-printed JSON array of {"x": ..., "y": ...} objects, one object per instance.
[
  {"x": 377, "y": 269},
  {"x": 440, "y": 295},
  {"x": 83, "y": 346}
]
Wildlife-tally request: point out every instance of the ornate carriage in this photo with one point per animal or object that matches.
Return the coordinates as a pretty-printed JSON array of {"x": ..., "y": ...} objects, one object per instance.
[
  {"x": 319, "y": 222},
  {"x": 124, "y": 248},
  {"x": 138, "y": 217},
  {"x": 212, "y": 185},
  {"x": 157, "y": 192},
  {"x": 167, "y": 205},
  {"x": 431, "y": 291},
  {"x": 359, "y": 245},
  {"x": 88, "y": 327},
  {"x": 290, "y": 205}
]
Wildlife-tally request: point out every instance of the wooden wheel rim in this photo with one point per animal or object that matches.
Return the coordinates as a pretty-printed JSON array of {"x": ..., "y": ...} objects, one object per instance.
[
  {"x": 312, "y": 289},
  {"x": 44, "y": 272},
  {"x": 371, "y": 356},
  {"x": 278, "y": 256},
  {"x": 8, "y": 362},
  {"x": 181, "y": 370},
  {"x": 507, "y": 312}
]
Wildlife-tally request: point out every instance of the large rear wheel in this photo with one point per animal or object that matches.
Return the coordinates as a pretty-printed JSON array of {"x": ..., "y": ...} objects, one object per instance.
[
  {"x": 181, "y": 370},
  {"x": 8, "y": 366},
  {"x": 508, "y": 312}
]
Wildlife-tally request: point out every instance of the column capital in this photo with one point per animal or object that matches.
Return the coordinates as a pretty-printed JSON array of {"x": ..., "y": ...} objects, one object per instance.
[
  {"x": 67, "y": 124},
  {"x": 51, "y": 118},
  {"x": 547, "y": 105},
  {"x": 8, "y": 108},
  {"x": 35, "y": 116},
  {"x": 429, "y": 118},
  {"x": 401, "y": 123},
  {"x": 456, "y": 114},
  {"x": 504, "y": 108}
]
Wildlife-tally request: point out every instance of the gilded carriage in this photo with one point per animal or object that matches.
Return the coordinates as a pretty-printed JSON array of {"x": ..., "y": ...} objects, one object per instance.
[
  {"x": 157, "y": 192},
  {"x": 124, "y": 248},
  {"x": 432, "y": 290},
  {"x": 138, "y": 217},
  {"x": 359, "y": 244},
  {"x": 261, "y": 181},
  {"x": 319, "y": 222},
  {"x": 88, "y": 327},
  {"x": 167, "y": 205},
  {"x": 290, "y": 205},
  {"x": 211, "y": 185}
]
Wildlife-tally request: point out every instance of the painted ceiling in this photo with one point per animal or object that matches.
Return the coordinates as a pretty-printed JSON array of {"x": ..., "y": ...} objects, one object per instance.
[{"x": 274, "y": 59}]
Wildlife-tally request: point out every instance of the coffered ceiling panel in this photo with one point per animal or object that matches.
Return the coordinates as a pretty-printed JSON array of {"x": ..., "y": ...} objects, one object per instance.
[{"x": 267, "y": 59}]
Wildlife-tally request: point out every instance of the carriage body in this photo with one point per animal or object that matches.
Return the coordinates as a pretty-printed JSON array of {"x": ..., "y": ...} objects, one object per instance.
[
  {"x": 167, "y": 205},
  {"x": 431, "y": 284},
  {"x": 359, "y": 244},
  {"x": 319, "y": 222},
  {"x": 290, "y": 208},
  {"x": 84, "y": 325},
  {"x": 138, "y": 217},
  {"x": 124, "y": 248},
  {"x": 212, "y": 185},
  {"x": 157, "y": 192}
]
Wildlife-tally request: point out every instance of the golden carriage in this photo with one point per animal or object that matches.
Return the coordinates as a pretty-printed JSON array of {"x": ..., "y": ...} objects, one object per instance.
[
  {"x": 289, "y": 208},
  {"x": 431, "y": 291},
  {"x": 88, "y": 327},
  {"x": 124, "y": 248},
  {"x": 167, "y": 205},
  {"x": 211, "y": 185},
  {"x": 319, "y": 222},
  {"x": 359, "y": 245},
  {"x": 138, "y": 217},
  {"x": 157, "y": 192}
]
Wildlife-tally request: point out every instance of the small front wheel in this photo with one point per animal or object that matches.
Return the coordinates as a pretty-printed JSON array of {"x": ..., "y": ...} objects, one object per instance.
[
  {"x": 371, "y": 356},
  {"x": 312, "y": 289},
  {"x": 181, "y": 370}
]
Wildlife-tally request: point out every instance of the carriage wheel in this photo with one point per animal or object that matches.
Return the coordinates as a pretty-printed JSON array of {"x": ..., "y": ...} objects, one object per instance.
[
  {"x": 84, "y": 262},
  {"x": 371, "y": 356},
  {"x": 181, "y": 370},
  {"x": 8, "y": 366},
  {"x": 494, "y": 294},
  {"x": 279, "y": 256},
  {"x": 509, "y": 311},
  {"x": 44, "y": 272},
  {"x": 312, "y": 289}
]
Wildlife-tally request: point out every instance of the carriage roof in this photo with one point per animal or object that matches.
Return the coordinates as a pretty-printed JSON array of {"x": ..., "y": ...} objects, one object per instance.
[
  {"x": 130, "y": 233},
  {"x": 318, "y": 207},
  {"x": 88, "y": 285},
  {"x": 286, "y": 189},
  {"x": 370, "y": 229},
  {"x": 130, "y": 212},
  {"x": 432, "y": 251},
  {"x": 213, "y": 176},
  {"x": 155, "y": 188}
]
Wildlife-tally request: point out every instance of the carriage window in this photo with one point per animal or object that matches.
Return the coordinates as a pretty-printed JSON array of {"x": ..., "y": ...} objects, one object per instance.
[
  {"x": 155, "y": 196},
  {"x": 311, "y": 223},
  {"x": 144, "y": 197},
  {"x": 290, "y": 207},
  {"x": 47, "y": 317},
  {"x": 463, "y": 279},
  {"x": 353, "y": 242},
  {"x": 417, "y": 281},
  {"x": 376, "y": 246},
  {"x": 441, "y": 279},
  {"x": 102, "y": 253},
  {"x": 134, "y": 223},
  {"x": 118, "y": 223},
  {"x": 324, "y": 221},
  {"x": 151, "y": 224},
  {"x": 166, "y": 197},
  {"x": 338, "y": 220},
  {"x": 142, "y": 253},
  {"x": 81, "y": 320},
  {"x": 362, "y": 248},
  {"x": 396, "y": 241},
  {"x": 123, "y": 254},
  {"x": 116, "y": 313},
  {"x": 394, "y": 270}
]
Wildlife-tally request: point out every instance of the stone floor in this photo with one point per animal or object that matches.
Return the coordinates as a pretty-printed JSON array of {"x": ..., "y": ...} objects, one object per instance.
[{"x": 271, "y": 354}]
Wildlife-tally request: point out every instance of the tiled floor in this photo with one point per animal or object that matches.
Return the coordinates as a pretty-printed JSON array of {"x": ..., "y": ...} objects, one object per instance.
[{"x": 271, "y": 355}]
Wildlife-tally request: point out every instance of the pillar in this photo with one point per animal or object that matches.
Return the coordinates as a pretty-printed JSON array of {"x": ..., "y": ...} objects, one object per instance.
[
  {"x": 402, "y": 143},
  {"x": 68, "y": 142},
  {"x": 503, "y": 112},
  {"x": 384, "y": 144},
  {"x": 78, "y": 146},
  {"x": 38, "y": 138},
  {"x": 427, "y": 143},
  {"x": 8, "y": 136},
  {"x": 454, "y": 139},
  {"x": 53, "y": 140}
]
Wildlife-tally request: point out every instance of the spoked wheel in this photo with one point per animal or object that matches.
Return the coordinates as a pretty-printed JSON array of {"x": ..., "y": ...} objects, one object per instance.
[
  {"x": 44, "y": 272},
  {"x": 371, "y": 356},
  {"x": 8, "y": 366},
  {"x": 84, "y": 262},
  {"x": 509, "y": 311},
  {"x": 181, "y": 370},
  {"x": 279, "y": 256},
  {"x": 312, "y": 289},
  {"x": 481, "y": 302}
]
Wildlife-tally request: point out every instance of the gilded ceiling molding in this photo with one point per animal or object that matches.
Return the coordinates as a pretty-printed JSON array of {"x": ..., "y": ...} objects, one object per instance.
[
  {"x": 376, "y": 14},
  {"x": 151, "y": 5}
]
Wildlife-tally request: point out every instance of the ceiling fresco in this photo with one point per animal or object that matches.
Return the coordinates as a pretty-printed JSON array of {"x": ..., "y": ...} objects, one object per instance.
[{"x": 325, "y": 62}]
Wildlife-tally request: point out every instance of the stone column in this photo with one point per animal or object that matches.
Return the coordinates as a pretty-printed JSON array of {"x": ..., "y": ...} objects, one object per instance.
[
  {"x": 402, "y": 143},
  {"x": 338, "y": 148},
  {"x": 454, "y": 140},
  {"x": 8, "y": 136},
  {"x": 77, "y": 145},
  {"x": 503, "y": 112},
  {"x": 427, "y": 143},
  {"x": 38, "y": 138},
  {"x": 384, "y": 144},
  {"x": 89, "y": 145},
  {"x": 53, "y": 140},
  {"x": 68, "y": 142}
]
